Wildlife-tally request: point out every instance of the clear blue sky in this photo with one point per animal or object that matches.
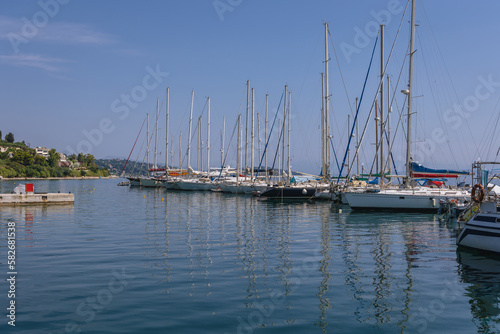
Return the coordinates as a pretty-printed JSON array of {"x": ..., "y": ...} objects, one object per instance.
[{"x": 67, "y": 65}]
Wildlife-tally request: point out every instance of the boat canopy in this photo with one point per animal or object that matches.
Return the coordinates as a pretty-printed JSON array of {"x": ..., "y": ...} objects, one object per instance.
[{"x": 419, "y": 171}]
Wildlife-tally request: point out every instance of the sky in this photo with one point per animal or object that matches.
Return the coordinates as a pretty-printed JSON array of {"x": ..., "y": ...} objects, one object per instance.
[{"x": 80, "y": 76}]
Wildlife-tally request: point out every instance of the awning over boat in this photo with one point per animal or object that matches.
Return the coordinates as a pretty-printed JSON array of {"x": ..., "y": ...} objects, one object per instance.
[{"x": 419, "y": 171}]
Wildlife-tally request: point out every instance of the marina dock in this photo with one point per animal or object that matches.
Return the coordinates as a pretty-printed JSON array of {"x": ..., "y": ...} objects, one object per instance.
[{"x": 25, "y": 195}]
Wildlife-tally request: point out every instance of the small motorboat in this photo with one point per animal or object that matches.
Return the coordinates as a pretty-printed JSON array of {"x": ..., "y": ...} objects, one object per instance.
[{"x": 482, "y": 224}]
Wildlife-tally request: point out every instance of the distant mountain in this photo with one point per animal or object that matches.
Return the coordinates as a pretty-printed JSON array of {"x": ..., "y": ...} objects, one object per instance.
[{"x": 115, "y": 166}]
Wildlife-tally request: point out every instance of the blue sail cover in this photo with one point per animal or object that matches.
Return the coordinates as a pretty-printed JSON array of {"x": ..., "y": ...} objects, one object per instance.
[{"x": 417, "y": 170}]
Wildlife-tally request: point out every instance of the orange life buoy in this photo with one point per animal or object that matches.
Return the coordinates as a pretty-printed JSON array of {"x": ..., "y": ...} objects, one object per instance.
[{"x": 477, "y": 194}]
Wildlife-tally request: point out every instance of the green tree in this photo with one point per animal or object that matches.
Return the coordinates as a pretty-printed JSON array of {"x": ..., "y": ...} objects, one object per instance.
[
  {"x": 89, "y": 160},
  {"x": 23, "y": 158},
  {"x": 0, "y": 135},
  {"x": 54, "y": 158},
  {"x": 39, "y": 160},
  {"x": 9, "y": 138}
]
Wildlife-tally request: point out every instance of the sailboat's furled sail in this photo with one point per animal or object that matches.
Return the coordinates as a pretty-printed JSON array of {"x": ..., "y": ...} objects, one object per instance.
[{"x": 419, "y": 171}]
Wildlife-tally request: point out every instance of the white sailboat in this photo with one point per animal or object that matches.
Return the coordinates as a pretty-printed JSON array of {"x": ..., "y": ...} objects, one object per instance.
[{"x": 408, "y": 198}]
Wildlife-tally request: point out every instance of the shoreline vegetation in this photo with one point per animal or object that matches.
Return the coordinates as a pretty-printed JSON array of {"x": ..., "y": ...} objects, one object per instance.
[
  {"x": 19, "y": 161},
  {"x": 59, "y": 178}
]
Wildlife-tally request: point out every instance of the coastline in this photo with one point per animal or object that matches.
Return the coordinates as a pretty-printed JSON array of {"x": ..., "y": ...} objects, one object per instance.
[{"x": 59, "y": 178}]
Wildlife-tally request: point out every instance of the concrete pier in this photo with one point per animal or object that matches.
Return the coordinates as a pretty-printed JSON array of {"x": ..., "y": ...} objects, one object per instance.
[
  {"x": 25, "y": 195},
  {"x": 36, "y": 198}
]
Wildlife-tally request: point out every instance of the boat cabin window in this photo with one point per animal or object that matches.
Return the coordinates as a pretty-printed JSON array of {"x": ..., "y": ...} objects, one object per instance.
[{"x": 486, "y": 219}]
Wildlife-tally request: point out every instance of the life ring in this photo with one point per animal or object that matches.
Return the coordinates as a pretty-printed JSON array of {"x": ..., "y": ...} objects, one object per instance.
[{"x": 477, "y": 194}]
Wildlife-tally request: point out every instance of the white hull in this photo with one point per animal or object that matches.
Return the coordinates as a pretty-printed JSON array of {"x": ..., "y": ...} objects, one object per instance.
[
  {"x": 150, "y": 183},
  {"x": 418, "y": 199},
  {"x": 196, "y": 185},
  {"x": 171, "y": 184}
]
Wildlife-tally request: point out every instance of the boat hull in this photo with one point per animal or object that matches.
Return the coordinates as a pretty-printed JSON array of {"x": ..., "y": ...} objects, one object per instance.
[
  {"x": 190, "y": 185},
  {"x": 480, "y": 234},
  {"x": 401, "y": 200},
  {"x": 302, "y": 193},
  {"x": 150, "y": 183}
]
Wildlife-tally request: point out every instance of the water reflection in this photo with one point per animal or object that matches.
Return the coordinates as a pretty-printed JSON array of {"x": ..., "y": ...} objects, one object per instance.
[
  {"x": 482, "y": 273},
  {"x": 208, "y": 249}
]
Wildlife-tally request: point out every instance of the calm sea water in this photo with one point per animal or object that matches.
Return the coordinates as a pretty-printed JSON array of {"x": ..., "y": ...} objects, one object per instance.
[{"x": 128, "y": 260}]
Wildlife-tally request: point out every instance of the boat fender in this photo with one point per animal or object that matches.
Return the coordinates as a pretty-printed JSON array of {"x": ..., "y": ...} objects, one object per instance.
[
  {"x": 433, "y": 200},
  {"x": 304, "y": 191},
  {"x": 477, "y": 194}
]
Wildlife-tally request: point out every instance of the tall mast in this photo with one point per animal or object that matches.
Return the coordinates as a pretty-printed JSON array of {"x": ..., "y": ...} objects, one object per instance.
[
  {"x": 410, "y": 94},
  {"x": 282, "y": 132},
  {"x": 147, "y": 141},
  {"x": 327, "y": 99},
  {"x": 279, "y": 158},
  {"x": 172, "y": 150},
  {"x": 258, "y": 137},
  {"x": 382, "y": 122},
  {"x": 199, "y": 162},
  {"x": 208, "y": 138},
  {"x": 265, "y": 136},
  {"x": 246, "y": 122},
  {"x": 348, "y": 148},
  {"x": 252, "y": 135},
  {"x": 323, "y": 140},
  {"x": 223, "y": 133},
  {"x": 156, "y": 133},
  {"x": 377, "y": 137},
  {"x": 190, "y": 126},
  {"x": 238, "y": 149},
  {"x": 389, "y": 110},
  {"x": 357, "y": 141},
  {"x": 289, "y": 112},
  {"x": 180, "y": 152},
  {"x": 166, "y": 137}
]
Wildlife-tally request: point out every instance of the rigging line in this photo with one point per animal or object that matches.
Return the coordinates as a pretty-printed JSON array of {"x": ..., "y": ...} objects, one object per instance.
[
  {"x": 378, "y": 89},
  {"x": 447, "y": 71},
  {"x": 436, "y": 104},
  {"x": 494, "y": 127},
  {"x": 282, "y": 133},
  {"x": 228, "y": 146},
  {"x": 133, "y": 146},
  {"x": 340, "y": 70},
  {"x": 391, "y": 157},
  {"x": 269, "y": 137},
  {"x": 334, "y": 153},
  {"x": 357, "y": 112}
]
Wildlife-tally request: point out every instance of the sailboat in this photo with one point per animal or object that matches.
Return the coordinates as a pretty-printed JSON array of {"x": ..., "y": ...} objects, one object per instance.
[
  {"x": 409, "y": 198},
  {"x": 153, "y": 179}
]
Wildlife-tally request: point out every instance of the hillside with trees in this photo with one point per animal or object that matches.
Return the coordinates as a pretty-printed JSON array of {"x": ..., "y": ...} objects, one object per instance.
[{"x": 19, "y": 160}]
